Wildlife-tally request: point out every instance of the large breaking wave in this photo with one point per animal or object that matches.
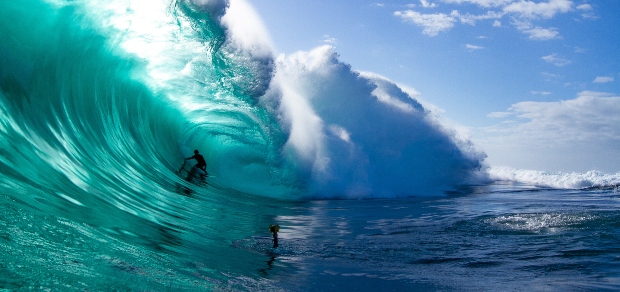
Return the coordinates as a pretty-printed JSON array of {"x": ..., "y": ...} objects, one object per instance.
[{"x": 106, "y": 97}]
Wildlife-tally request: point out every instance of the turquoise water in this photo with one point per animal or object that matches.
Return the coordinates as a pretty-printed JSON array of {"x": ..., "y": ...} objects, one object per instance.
[
  {"x": 100, "y": 101},
  {"x": 490, "y": 238}
]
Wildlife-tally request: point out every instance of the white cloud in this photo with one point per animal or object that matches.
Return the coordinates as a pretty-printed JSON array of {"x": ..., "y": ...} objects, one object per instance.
[
  {"x": 590, "y": 15},
  {"x": 471, "y": 47},
  {"x": 535, "y": 33},
  {"x": 380, "y": 4},
  {"x": 587, "y": 9},
  {"x": 426, "y": 4},
  {"x": 329, "y": 40},
  {"x": 540, "y": 92},
  {"x": 544, "y": 134},
  {"x": 498, "y": 115},
  {"x": 483, "y": 3},
  {"x": 548, "y": 75},
  {"x": 555, "y": 60},
  {"x": 584, "y": 7},
  {"x": 603, "y": 79},
  {"x": 529, "y": 9},
  {"x": 592, "y": 115},
  {"x": 471, "y": 19},
  {"x": 433, "y": 23},
  {"x": 523, "y": 15},
  {"x": 522, "y": 12},
  {"x": 539, "y": 33}
]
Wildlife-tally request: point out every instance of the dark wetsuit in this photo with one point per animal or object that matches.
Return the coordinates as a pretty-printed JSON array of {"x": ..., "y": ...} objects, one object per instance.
[{"x": 202, "y": 164}]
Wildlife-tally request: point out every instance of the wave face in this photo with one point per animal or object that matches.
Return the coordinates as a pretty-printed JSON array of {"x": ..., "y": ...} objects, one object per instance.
[{"x": 104, "y": 99}]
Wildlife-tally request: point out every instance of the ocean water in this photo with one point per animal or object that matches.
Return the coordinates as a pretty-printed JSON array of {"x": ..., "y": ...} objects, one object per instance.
[{"x": 101, "y": 101}]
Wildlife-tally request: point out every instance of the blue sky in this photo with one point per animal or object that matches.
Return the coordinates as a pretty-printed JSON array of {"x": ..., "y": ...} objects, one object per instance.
[{"x": 535, "y": 84}]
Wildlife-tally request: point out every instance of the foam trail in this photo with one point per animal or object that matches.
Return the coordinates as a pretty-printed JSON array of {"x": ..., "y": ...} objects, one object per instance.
[{"x": 559, "y": 180}]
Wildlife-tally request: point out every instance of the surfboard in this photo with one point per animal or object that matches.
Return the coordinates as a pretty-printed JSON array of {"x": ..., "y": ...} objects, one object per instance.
[{"x": 197, "y": 171}]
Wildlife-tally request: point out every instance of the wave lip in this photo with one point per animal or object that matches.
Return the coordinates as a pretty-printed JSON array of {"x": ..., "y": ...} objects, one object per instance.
[{"x": 560, "y": 180}]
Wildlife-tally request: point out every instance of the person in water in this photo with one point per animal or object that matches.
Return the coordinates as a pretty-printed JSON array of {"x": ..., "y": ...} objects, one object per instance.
[
  {"x": 274, "y": 229},
  {"x": 202, "y": 165}
]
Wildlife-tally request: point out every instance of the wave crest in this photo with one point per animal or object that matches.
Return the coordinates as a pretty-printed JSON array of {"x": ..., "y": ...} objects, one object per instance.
[
  {"x": 361, "y": 135},
  {"x": 560, "y": 180}
]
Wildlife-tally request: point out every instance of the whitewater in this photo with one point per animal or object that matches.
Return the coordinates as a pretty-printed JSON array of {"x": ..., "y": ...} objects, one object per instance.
[{"x": 101, "y": 102}]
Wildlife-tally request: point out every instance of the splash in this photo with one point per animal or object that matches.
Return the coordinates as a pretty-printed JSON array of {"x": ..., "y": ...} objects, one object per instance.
[{"x": 359, "y": 133}]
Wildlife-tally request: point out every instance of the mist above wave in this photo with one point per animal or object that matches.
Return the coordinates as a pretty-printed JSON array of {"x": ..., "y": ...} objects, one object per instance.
[{"x": 360, "y": 134}]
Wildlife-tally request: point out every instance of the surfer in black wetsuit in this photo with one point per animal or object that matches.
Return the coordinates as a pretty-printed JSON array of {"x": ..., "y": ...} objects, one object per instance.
[{"x": 202, "y": 164}]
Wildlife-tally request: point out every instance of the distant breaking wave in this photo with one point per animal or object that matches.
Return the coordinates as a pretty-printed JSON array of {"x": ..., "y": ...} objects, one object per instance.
[{"x": 558, "y": 180}]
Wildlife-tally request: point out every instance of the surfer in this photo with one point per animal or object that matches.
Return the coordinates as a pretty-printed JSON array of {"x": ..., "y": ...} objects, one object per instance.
[{"x": 202, "y": 165}]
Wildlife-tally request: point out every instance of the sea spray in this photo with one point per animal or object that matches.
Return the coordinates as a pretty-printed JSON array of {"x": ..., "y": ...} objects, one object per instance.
[{"x": 361, "y": 135}]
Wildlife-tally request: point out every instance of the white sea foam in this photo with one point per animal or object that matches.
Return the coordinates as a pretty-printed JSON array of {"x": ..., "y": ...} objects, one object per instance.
[
  {"x": 560, "y": 180},
  {"x": 537, "y": 222}
]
